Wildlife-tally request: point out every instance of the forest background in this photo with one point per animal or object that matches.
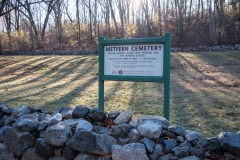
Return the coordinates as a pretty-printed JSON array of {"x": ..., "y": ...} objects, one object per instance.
[{"x": 76, "y": 24}]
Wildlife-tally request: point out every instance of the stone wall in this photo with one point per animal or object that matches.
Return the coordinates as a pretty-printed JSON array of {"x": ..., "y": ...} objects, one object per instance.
[{"x": 90, "y": 134}]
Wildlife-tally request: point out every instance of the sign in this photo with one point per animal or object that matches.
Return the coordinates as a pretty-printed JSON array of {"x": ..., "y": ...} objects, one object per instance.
[
  {"x": 138, "y": 60},
  {"x": 134, "y": 60}
]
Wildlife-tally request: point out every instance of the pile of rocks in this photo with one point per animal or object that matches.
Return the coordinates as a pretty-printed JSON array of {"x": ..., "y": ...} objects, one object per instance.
[
  {"x": 205, "y": 48},
  {"x": 90, "y": 134}
]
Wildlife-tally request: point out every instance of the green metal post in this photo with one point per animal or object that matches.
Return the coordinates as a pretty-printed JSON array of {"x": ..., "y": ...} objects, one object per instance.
[
  {"x": 167, "y": 50},
  {"x": 100, "y": 74}
]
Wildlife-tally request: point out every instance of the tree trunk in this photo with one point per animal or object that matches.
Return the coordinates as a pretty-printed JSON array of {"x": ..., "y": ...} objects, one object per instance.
[
  {"x": 78, "y": 23},
  {"x": 114, "y": 19}
]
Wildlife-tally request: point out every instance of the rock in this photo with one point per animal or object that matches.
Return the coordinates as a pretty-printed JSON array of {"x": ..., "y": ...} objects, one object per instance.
[
  {"x": 168, "y": 134},
  {"x": 89, "y": 142},
  {"x": 3, "y": 119},
  {"x": 8, "y": 111},
  {"x": 55, "y": 119},
  {"x": 150, "y": 129},
  {"x": 100, "y": 130},
  {"x": 57, "y": 158},
  {"x": 229, "y": 156},
  {"x": 80, "y": 112},
  {"x": 18, "y": 141},
  {"x": 27, "y": 122},
  {"x": 135, "y": 151},
  {"x": 42, "y": 125},
  {"x": 2, "y": 133},
  {"x": 212, "y": 154},
  {"x": 5, "y": 154},
  {"x": 124, "y": 117},
  {"x": 199, "y": 152},
  {"x": 67, "y": 113},
  {"x": 190, "y": 158},
  {"x": 31, "y": 154},
  {"x": 166, "y": 157},
  {"x": 119, "y": 131},
  {"x": 133, "y": 123},
  {"x": 69, "y": 153},
  {"x": 170, "y": 144},
  {"x": 85, "y": 156},
  {"x": 231, "y": 142},
  {"x": 57, "y": 135},
  {"x": 211, "y": 143},
  {"x": 3, "y": 107},
  {"x": 97, "y": 116},
  {"x": 192, "y": 136},
  {"x": 158, "y": 149},
  {"x": 122, "y": 141},
  {"x": 57, "y": 110},
  {"x": 19, "y": 111},
  {"x": 70, "y": 122},
  {"x": 113, "y": 115},
  {"x": 181, "y": 151},
  {"x": 134, "y": 136},
  {"x": 180, "y": 139},
  {"x": 44, "y": 149},
  {"x": 8, "y": 121},
  {"x": 177, "y": 130},
  {"x": 149, "y": 144},
  {"x": 84, "y": 125},
  {"x": 156, "y": 119}
]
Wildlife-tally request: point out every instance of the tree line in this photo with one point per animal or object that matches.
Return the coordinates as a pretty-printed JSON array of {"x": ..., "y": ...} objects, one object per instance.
[{"x": 76, "y": 24}]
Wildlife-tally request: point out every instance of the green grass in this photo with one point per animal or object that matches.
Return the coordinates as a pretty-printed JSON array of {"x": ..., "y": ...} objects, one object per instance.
[{"x": 205, "y": 88}]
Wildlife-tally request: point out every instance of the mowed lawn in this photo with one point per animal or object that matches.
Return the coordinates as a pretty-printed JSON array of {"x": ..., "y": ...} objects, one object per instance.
[{"x": 205, "y": 88}]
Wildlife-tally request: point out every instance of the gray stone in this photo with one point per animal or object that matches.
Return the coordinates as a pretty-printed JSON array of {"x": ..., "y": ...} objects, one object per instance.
[
  {"x": 199, "y": 152},
  {"x": 156, "y": 119},
  {"x": 104, "y": 158},
  {"x": 27, "y": 122},
  {"x": 150, "y": 129},
  {"x": 113, "y": 115},
  {"x": 58, "y": 109},
  {"x": 177, "y": 130},
  {"x": 80, "y": 112},
  {"x": 97, "y": 116},
  {"x": 100, "y": 130},
  {"x": 42, "y": 125},
  {"x": 3, "y": 107},
  {"x": 2, "y": 133},
  {"x": 133, "y": 123},
  {"x": 89, "y": 142},
  {"x": 55, "y": 119},
  {"x": 170, "y": 144},
  {"x": 124, "y": 117},
  {"x": 57, "y": 158},
  {"x": 67, "y": 113},
  {"x": 181, "y": 151},
  {"x": 192, "y": 136},
  {"x": 134, "y": 151},
  {"x": 44, "y": 149},
  {"x": 19, "y": 111},
  {"x": 180, "y": 139},
  {"x": 18, "y": 141},
  {"x": 5, "y": 154},
  {"x": 119, "y": 131},
  {"x": 8, "y": 121},
  {"x": 84, "y": 125},
  {"x": 69, "y": 153},
  {"x": 212, "y": 154},
  {"x": 31, "y": 154},
  {"x": 86, "y": 156},
  {"x": 190, "y": 158},
  {"x": 230, "y": 141},
  {"x": 158, "y": 149},
  {"x": 70, "y": 122},
  {"x": 134, "y": 136},
  {"x": 211, "y": 143},
  {"x": 166, "y": 157},
  {"x": 149, "y": 144},
  {"x": 122, "y": 141},
  {"x": 3, "y": 119},
  {"x": 168, "y": 134},
  {"x": 57, "y": 135}
]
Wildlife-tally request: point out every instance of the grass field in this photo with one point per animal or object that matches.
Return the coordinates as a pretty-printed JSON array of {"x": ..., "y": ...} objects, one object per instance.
[{"x": 205, "y": 88}]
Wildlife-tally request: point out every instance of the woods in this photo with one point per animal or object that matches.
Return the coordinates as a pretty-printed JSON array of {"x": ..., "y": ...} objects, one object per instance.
[{"x": 76, "y": 24}]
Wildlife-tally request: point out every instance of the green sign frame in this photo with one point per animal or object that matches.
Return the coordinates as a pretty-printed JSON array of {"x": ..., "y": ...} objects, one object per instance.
[{"x": 165, "y": 41}]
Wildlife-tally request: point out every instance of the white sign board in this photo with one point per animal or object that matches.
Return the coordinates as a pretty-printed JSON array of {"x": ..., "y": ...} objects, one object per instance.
[{"x": 134, "y": 60}]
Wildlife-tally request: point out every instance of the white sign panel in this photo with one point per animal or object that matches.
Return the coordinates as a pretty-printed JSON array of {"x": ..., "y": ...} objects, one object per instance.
[{"x": 134, "y": 60}]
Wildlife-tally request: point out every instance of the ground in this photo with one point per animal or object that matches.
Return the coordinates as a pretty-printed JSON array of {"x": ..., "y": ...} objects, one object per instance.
[{"x": 205, "y": 88}]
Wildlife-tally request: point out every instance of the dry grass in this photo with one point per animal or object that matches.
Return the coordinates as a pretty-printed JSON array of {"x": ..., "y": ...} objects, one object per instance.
[{"x": 205, "y": 88}]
